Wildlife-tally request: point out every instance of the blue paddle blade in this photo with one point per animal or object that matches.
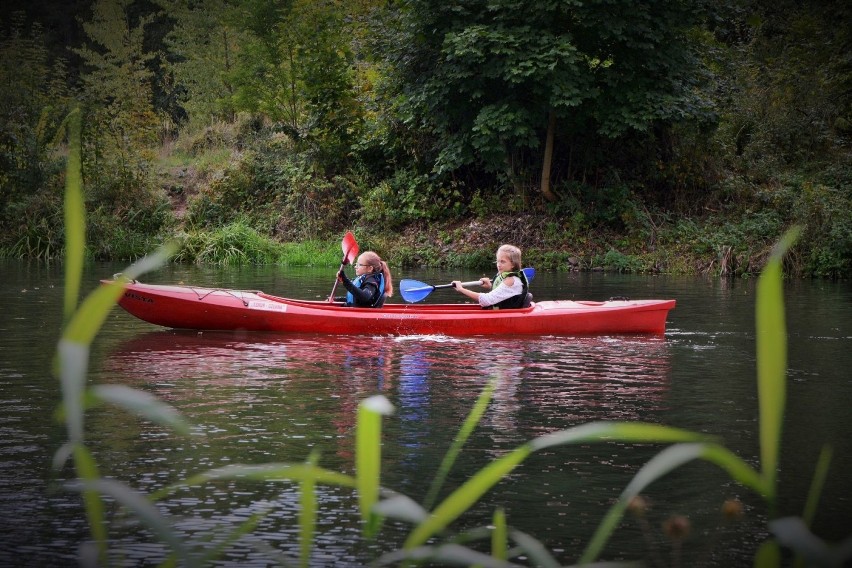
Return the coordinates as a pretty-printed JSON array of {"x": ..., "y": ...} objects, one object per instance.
[
  {"x": 529, "y": 273},
  {"x": 414, "y": 290}
]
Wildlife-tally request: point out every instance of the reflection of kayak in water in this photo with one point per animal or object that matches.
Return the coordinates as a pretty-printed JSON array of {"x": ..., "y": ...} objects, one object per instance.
[
  {"x": 174, "y": 352},
  {"x": 174, "y": 355},
  {"x": 198, "y": 342},
  {"x": 584, "y": 379},
  {"x": 187, "y": 307}
]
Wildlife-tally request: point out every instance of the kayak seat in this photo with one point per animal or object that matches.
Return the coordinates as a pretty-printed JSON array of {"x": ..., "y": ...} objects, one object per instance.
[{"x": 528, "y": 300}]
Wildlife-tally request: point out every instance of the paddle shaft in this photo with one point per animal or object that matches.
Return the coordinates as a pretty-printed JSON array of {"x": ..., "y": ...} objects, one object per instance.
[
  {"x": 450, "y": 285},
  {"x": 348, "y": 244},
  {"x": 529, "y": 272},
  {"x": 336, "y": 280}
]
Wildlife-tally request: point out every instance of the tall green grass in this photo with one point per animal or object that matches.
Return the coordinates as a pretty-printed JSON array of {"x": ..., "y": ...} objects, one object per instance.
[
  {"x": 238, "y": 243},
  {"x": 431, "y": 537}
]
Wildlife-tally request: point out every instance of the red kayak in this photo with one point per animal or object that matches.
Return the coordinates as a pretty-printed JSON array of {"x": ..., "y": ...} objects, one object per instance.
[{"x": 189, "y": 307}]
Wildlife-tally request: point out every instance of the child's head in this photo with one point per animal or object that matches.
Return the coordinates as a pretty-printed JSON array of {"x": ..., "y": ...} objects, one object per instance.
[
  {"x": 374, "y": 262},
  {"x": 371, "y": 260},
  {"x": 512, "y": 253}
]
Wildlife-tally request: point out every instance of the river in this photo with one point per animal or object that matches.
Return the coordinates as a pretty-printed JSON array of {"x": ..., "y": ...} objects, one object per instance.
[{"x": 258, "y": 398}]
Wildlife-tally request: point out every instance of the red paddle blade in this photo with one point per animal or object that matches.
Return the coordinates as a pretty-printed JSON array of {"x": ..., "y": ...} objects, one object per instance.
[{"x": 350, "y": 248}]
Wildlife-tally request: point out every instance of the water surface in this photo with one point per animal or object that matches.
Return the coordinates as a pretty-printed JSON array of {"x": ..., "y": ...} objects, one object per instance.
[{"x": 259, "y": 398}]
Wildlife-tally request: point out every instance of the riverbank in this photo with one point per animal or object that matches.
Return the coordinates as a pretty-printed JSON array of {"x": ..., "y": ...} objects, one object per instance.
[
  {"x": 471, "y": 243},
  {"x": 241, "y": 201},
  {"x": 729, "y": 244},
  {"x": 221, "y": 199}
]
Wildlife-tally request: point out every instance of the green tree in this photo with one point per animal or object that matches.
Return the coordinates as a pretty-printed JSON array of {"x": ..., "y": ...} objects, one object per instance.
[
  {"x": 203, "y": 47},
  {"x": 326, "y": 76},
  {"x": 263, "y": 79},
  {"x": 33, "y": 102},
  {"x": 295, "y": 68},
  {"x": 793, "y": 99},
  {"x": 123, "y": 125},
  {"x": 123, "y": 131},
  {"x": 496, "y": 80}
]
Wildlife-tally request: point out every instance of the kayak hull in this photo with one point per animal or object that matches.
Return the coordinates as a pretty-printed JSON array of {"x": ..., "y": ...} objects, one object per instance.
[{"x": 189, "y": 307}]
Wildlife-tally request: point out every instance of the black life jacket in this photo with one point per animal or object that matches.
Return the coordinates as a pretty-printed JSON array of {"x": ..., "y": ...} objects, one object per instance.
[
  {"x": 517, "y": 301},
  {"x": 361, "y": 282}
]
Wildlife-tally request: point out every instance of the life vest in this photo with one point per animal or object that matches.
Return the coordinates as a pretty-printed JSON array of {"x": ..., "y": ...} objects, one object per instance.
[
  {"x": 361, "y": 282},
  {"x": 516, "y": 301}
]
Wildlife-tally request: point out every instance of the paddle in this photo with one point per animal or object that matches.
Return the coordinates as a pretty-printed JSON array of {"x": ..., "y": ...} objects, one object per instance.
[
  {"x": 350, "y": 253},
  {"x": 414, "y": 290}
]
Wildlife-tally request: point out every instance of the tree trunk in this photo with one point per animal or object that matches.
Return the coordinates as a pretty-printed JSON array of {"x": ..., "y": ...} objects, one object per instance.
[{"x": 548, "y": 158}]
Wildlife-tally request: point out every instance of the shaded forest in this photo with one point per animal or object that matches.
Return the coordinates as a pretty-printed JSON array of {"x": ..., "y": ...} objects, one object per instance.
[{"x": 676, "y": 137}]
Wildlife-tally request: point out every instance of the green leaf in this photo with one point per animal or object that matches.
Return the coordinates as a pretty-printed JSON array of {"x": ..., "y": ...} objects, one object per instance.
[
  {"x": 368, "y": 455},
  {"x": 660, "y": 465},
  {"x": 143, "y": 510},
  {"x": 738, "y": 469},
  {"x": 465, "y": 496},
  {"x": 142, "y": 404},
  {"x": 87, "y": 320},
  {"x": 73, "y": 368},
  {"x": 499, "y": 536},
  {"x": 771, "y": 338},
  {"x": 75, "y": 216},
  {"x": 62, "y": 455},
  {"x": 212, "y": 554},
  {"x": 307, "y": 514},
  {"x": 792, "y": 533},
  {"x": 87, "y": 470},
  {"x": 818, "y": 482},
  {"x": 617, "y": 432},
  {"x": 464, "y": 433},
  {"x": 403, "y": 508},
  {"x": 535, "y": 550},
  {"x": 264, "y": 472},
  {"x": 768, "y": 555}
]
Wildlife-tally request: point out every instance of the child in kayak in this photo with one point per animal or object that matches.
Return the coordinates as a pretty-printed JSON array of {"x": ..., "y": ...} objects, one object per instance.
[
  {"x": 509, "y": 288},
  {"x": 371, "y": 284}
]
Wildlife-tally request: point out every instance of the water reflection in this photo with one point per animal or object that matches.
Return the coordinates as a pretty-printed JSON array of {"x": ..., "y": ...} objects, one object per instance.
[
  {"x": 603, "y": 378},
  {"x": 571, "y": 379},
  {"x": 270, "y": 397},
  {"x": 413, "y": 397}
]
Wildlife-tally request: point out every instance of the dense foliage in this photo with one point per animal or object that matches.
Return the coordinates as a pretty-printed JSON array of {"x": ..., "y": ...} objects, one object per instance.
[
  {"x": 640, "y": 136},
  {"x": 487, "y": 78}
]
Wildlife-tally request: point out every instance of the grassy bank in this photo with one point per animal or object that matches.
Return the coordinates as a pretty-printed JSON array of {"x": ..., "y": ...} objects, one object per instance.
[{"x": 230, "y": 196}]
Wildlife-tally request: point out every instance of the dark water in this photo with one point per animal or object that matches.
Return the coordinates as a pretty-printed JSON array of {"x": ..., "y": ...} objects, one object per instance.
[{"x": 260, "y": 398}]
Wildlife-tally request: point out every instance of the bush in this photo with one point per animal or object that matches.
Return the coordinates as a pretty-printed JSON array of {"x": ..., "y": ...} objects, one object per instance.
[
  {"x": 236, "y": 243},
  {"x": 34, "y": 227},
  {"x": 483, "y": 259},
  {"x": 613, "y": 206},
  {"x": 619, "y": 262},
  {"x": 825, "y": 213},
  {"x": 409, "y": 197},
  {"x": 276, "y": 192}
]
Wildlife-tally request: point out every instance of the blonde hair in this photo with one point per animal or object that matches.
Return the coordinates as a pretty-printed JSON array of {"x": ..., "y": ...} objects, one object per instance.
[
  {"x": 378, "y": 265},
  {"x": 514, "y": 254}
]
